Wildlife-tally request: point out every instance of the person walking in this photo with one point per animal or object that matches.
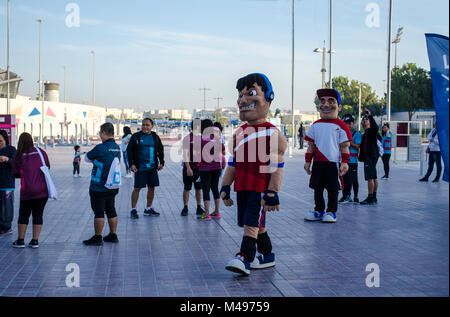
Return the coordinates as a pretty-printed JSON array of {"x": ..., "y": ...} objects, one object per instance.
[
  {"x": 369, "y": 154},
  {"x": 351, "y": 177},
  {"x": 301, "y": 135},
  {"x": 146, "y": 157},
  {"x": 434, "y": 152},
  {"x": 123, "y": 147},
  {"x": 191, "y": 174},
  {"x": 7, "y": 184},
  {"x": 102, "y": 198},
  {"x": 387, "y": 149},
  {"x": 33, "y": 191},
  {"x": 210, "y": 167}
]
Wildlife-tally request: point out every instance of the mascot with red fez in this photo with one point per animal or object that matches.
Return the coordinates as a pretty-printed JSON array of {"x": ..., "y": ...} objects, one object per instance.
[
  {"x": 256, "y": 169},
  {"x": 328, "y": 146}
]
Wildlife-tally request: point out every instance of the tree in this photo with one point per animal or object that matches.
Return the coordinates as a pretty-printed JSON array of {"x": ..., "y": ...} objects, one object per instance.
[{"x": 411, "y": 89}]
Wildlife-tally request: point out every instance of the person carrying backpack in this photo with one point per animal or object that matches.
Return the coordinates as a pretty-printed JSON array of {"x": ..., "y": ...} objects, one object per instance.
[{"x": 105, "y": 158}]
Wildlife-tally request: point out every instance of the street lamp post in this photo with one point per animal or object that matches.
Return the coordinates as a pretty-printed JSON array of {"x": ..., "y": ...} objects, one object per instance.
[
  {"x": 396, "y": 41},
  {"x": 360, "y": 86},
  {"x": 93, "y": 77},
  {"x": 293, "y": 80},
  {"x": 41, "y": 83},
  {"x": 388, "y": 98},
  {"x": 64, "y": 84},
  {"x": 331, "y": 38},
  {"x": 7, "y": 57}
]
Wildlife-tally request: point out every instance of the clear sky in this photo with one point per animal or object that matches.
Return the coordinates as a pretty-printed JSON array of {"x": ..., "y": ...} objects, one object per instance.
[{"x": 157, "y": 54}]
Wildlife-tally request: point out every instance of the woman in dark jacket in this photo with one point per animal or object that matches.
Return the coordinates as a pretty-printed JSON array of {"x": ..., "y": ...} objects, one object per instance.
[{"x": 7, "y": 184}]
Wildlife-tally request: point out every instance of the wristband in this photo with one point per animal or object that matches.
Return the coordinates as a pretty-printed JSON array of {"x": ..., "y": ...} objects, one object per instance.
[
  {"x": 225, "y": 189},
  {"x": 308, "y": 157},
  {"x": 345, "y": 157},
  {"x": 271, "y": 201}
]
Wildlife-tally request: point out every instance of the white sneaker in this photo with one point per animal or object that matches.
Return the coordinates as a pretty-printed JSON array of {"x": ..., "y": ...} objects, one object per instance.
[
  {"x": 313, "y": 215},
  {"x": 329, "y": 217},
  {"x": 262, "y": 262},
  {"x": 129, "y": 175},
  {"x": 237, "y": 265}
]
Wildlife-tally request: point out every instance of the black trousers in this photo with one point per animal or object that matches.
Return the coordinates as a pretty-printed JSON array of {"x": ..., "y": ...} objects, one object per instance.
[
  {"x": 351, "y": 180},
  {"x": 76, "y": 168},
  {"x": 385, "y": 158},
  {"x": 320, "y": 201},
  {"x": 210, "y": 182},
  {"x": 434, "y": 157},
  {"x": 33, "y": 207}
]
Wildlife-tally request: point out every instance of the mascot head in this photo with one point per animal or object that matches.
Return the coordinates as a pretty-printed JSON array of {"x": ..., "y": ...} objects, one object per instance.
[{"x": 329, "y": 103}]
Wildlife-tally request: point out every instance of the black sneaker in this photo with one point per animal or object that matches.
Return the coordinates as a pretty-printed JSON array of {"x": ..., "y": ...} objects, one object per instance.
[
  {"x": 200, "y": 211},
  {"x": 374, "y": 201},
  {"x": 423, "y": 180},
  {"x": 367, "y": 201},
  {"x": 435, "y": 180},
  {"x": 151, "y": 212},
  {"x": 184, "y": 212},
  {"x": 341, "y": 200},
  {"x": 5, "y": 231},
  {"x": 95, "y": 240},
  {"x": 385, "y": 177},
  {"x": 111, "y": 237},
  {"x": 134, "y": 214},
  {"x": 34, "y": 244},
  {"x": 19, "y": 243},
  {"x": 356, "y": 200}
]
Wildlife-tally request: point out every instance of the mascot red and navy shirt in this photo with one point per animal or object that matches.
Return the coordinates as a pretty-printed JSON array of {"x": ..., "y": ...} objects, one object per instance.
[
  {"x": 327, "y": 135},
  {"x": 251, "y": 156}
]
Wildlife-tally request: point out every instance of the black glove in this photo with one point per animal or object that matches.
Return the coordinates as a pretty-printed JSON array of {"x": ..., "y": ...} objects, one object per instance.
[
  {"x": 225, "y": 189},
  {"x": 271, "y": 201}
]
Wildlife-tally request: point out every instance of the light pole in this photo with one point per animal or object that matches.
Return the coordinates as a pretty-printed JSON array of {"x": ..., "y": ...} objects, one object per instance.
[
  {"x": 40, "y": 60},
  {"x": 396, "y": 41},
  {"x": 64, "y": 84},
  {"x": 360, "y": 86},
  {"x": 93, "y": 77},
  {"x": 7, "y": 57},
  {"x": 388, "y": 98},
  {"x": 293, "y": 79},
  {"x": 204, "y": 99},
  {"x": 323, "y": 70},
  {"x": 331, "y": 38},
  {"x": 41, "y": 83}
]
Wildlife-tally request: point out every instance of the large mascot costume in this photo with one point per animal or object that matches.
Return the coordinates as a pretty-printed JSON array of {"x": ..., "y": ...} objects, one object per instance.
[
  {"x": 256, "y": 169},
  {"x": 328, "y": 145}
]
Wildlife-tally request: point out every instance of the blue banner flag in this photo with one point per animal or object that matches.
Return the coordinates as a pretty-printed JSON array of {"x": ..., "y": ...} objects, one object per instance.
[{"x": 438, "y": 55}]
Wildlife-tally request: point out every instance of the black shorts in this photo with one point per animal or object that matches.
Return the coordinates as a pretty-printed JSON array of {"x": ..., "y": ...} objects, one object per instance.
[
  {"x": 148, "y": 178},
  {"x": 325, "y": 175},
  {"x": 370, "y": 168},
  {"x": 250, "y": 209},
  {"x": 188, "y": 180},
  {"x": 104, "y": 203}
]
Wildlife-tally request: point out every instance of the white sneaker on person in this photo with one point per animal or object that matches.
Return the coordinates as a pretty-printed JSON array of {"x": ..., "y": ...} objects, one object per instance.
[
  {"x": 329, "y": 217},
  {"x": 313, "y": 215}
]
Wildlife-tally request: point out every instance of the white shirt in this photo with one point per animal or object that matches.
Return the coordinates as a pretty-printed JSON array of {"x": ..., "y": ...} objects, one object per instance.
[
  {"x": 434, "y": 146},
  {"x": 124, "y": 145}
]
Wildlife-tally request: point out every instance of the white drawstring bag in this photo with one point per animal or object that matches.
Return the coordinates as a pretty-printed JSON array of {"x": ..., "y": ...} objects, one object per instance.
[
  {"x": 114, "y": 179},
  {"x": 52, "y": 194}
]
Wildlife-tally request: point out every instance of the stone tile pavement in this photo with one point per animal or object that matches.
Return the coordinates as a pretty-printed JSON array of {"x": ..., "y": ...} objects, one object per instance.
[{"x": 406, "y": 235}]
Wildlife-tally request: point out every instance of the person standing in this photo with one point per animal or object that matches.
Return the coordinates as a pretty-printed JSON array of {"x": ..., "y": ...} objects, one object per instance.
[
  {"x": 369, "y": 154},
  {"x": 435, "y": 156},
  {"x": 33, "y": 191},
  {"x": 210, "y": 167},
  {"x": 102, "y": 198},
  {"x": 351, "y": 177},
  {"x": 301, "y": 135},
  {"x": 146, "y": 157},
  {"x": 191, "y": 174},
  {"x": 77, "y": 160},
  {"x": 7, "y": 184},
  {"x": 387, "y": 149},
  {"x": 123, "y": 146}
]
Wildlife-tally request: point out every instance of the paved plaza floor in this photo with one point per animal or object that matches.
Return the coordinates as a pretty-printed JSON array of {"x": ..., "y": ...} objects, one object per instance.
[{"x": 406, "y": 235}]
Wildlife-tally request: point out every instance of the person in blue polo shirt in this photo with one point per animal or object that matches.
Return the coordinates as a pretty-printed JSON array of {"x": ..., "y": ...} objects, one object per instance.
[
  {"x": 102, "y": 198},
  {"x": 351, "y": 177},
  {"x": 386, "y": 141},
  {"x": 146, "y": 157}
]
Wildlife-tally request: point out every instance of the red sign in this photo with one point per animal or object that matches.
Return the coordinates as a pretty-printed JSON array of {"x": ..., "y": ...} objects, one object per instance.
[{"x": 8, "y": 123}]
